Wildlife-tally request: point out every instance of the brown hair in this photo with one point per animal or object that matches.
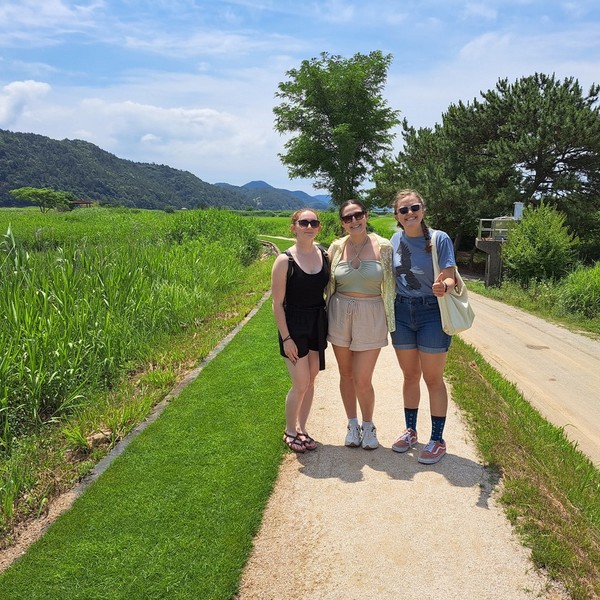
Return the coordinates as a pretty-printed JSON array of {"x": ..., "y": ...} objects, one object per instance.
[
  {"x": 401, "y": 195},
  {"x": 350, "y": 203}
]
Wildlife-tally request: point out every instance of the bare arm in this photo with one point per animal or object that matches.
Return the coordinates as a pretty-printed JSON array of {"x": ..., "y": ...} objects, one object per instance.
[{"x": 278, "y": 288}]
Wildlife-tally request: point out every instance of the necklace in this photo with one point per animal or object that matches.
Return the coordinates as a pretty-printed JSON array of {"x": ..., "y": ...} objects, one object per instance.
[{"x": 356, "y": 256}]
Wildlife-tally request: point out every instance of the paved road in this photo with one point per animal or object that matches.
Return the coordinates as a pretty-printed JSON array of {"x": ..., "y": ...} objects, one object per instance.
[{"x": 557, "y": 371}]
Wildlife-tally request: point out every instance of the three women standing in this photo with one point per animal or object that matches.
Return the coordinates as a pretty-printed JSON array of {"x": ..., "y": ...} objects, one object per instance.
[
  {"x": 360, "y": 313},
  {"x": 374, "y": 287}
]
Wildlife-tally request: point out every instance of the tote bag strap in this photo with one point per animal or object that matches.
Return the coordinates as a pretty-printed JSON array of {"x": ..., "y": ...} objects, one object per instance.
[{"x": 434, "y": 254}]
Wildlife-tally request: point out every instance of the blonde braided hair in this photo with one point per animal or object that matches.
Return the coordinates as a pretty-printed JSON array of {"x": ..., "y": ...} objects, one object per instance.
[{"x": 401, "y": 195}]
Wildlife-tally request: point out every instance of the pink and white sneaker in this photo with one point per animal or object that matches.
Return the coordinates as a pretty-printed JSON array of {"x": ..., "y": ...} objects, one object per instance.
[
  {"x": 433, "y": 452},
  {"x": 406, "y": 441}
]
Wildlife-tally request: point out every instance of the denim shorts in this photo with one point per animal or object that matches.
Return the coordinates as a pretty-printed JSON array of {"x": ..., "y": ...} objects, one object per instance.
[{"x": 419, "y": 325}]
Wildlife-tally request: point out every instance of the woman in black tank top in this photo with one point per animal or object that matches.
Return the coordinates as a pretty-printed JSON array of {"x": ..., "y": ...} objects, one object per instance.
[{"x": 298, "y": 281}]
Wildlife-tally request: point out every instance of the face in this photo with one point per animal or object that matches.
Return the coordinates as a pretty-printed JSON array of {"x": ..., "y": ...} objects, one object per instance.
[
  {"x": 354, "y": 219},
  {"x": 307, "y": 224},
  {"x": 409, "y": 211}
]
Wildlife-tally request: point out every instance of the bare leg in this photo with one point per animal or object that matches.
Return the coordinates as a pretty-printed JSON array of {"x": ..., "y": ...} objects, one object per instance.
[
  {"x": 433, "y": 374},
  {"x": 301, "y": 382},
  {"x": 363, "y": 365},
  {"x": 344, "y": 360},
  {"x": 410, "y": 364},
  {"x": 306, "y": 404}
]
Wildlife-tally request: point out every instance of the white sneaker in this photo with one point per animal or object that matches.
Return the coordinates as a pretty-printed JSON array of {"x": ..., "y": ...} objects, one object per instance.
[
  {"x": 353, "y": 436},
  {"x": 369, "y": 438}
]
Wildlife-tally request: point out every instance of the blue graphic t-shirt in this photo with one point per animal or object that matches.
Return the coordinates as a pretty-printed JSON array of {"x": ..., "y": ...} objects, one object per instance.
[{"x": 413, "y": 266}]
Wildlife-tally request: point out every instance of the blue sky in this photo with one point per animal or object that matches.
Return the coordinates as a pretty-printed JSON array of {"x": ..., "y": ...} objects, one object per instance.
[{"x": 191, "y": 83}]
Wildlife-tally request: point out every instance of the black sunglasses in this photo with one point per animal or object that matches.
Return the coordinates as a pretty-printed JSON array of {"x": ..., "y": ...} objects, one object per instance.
[
  {"x": 314, "y": 223},
  {"x": 404, "y": 209},
  {"x": 359, "y": 216}
]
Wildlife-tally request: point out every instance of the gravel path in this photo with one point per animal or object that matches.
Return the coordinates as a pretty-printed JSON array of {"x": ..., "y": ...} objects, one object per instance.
[{"x": 350, "y": 524}]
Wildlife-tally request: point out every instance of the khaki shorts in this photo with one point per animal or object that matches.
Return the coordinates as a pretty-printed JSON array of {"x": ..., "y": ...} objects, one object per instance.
[{"x": 357, "y": 323}]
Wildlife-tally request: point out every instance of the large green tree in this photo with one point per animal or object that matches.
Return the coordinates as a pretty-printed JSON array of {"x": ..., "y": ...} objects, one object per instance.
[
  {"x": 537, "y": 139},
  {"x": 339, "y": 121}
]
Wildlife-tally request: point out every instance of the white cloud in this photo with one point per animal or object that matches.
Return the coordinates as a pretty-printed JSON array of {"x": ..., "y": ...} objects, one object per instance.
[
  {"x": 192, "y": 84},
  {"x": 16, "y": 97},
  {"x": 38, "y": 23}
]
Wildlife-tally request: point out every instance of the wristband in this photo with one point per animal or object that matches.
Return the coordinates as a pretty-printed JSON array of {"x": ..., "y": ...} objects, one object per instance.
[
  {"x": 289, "y": 337},
  {"x": 445, "y": 287}
]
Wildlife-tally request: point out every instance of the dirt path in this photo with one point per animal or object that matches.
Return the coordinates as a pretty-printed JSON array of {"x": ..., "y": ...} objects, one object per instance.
[
  {"x": 351, "y": 524},
  {"x": 556, "y": 370}
]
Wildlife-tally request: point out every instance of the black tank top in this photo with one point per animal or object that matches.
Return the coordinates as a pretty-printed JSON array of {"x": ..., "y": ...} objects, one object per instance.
[{"x": 304, "y": 290}]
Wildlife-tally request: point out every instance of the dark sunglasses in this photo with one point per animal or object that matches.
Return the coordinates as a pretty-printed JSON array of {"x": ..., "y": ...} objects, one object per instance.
[
  {"x": 314, "y": 223},
  {"x": 403, "y": 210},
  {"x": 359, "y": 216}
]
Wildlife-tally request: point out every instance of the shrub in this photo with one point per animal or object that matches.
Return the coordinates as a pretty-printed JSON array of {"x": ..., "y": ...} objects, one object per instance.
[
  {"x": 580, "y": 292},
  {"x": 539, "y": 247}
]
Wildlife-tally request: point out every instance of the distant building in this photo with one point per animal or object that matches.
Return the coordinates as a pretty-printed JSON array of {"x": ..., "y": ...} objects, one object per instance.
[{"x": 82, "y": 204}]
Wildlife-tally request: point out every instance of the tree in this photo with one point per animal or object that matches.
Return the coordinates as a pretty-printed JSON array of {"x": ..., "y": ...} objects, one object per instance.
[
  {"x": 535, "y": 140},
  {"x": 342, "y": 123},
  {"x": 45, "y": 198},
  {"x": 431, "y": 164}
]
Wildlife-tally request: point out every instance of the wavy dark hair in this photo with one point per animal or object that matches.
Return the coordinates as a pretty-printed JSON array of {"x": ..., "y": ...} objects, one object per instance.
[{"x": 350, "y": 203}]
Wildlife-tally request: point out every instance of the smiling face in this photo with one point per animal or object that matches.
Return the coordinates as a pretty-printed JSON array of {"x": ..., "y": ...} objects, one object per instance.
[
  {"x": 353, "y": 218},
  {"x": 409, "y": 211},
  {"x": 305, "y": 223}
]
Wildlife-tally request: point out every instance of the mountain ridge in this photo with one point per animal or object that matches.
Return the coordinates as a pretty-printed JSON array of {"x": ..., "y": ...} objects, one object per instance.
[{"x": 84, "y": 169}]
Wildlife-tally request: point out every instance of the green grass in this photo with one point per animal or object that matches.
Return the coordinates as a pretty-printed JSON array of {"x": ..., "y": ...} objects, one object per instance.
[
  {"x": 44, "y": 464},
  {"x": 202, "y": 474},
  {"x": 385, "y": 226},
  {"x": 204, "y": 470},
  {"x": 551, "y": 491},
  {"x": 99, "y": 325}
]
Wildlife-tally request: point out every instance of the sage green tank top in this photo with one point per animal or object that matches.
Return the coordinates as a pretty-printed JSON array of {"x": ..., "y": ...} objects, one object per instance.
[{"x": 367, "y": 279}]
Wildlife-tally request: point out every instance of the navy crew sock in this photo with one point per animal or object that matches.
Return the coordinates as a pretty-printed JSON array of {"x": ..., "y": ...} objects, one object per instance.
[
  {"x": 410, "y": 415},
  {"x": 437, "y": 428}
]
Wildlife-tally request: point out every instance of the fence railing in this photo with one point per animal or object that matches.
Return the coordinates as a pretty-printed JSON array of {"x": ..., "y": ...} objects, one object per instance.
[{"x": 495, "y": 229}]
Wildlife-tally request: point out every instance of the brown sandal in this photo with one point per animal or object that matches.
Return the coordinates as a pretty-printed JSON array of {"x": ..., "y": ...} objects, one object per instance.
[
  {"x": 293, "y": 442},
  {"x": 309, "y": 443}
]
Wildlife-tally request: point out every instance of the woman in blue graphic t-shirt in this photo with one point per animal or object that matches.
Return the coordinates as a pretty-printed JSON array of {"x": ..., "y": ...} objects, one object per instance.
[{"x": 420, "y": 343}]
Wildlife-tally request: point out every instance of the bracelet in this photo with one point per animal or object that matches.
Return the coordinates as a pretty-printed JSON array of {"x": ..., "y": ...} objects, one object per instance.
[
  {"x": 445, "y": 287},
  {"x": 289, "y": 337}
]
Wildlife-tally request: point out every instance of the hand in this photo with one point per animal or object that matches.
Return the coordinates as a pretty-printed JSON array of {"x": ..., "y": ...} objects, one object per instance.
[
  {"x": 439, "y": 287},
  {"x": 291, "y": 350}
]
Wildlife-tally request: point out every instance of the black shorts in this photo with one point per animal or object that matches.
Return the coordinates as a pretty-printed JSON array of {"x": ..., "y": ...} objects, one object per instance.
[{"x": 308, "y": 329}]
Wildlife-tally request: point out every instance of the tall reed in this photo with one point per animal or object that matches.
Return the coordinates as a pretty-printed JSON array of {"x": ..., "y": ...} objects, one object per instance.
[{"x": 79, "y": 313}]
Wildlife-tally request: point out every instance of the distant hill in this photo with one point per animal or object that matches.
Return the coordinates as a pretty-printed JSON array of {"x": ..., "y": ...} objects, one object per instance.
[
  {"x": 31, "y": 160},
  {"x": 266, "y": 197}
]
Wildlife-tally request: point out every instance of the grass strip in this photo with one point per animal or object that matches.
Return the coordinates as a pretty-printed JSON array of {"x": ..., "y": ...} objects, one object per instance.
[
  {"x": 550, "y": 490},
  {"x": 174, "y": 516}
]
